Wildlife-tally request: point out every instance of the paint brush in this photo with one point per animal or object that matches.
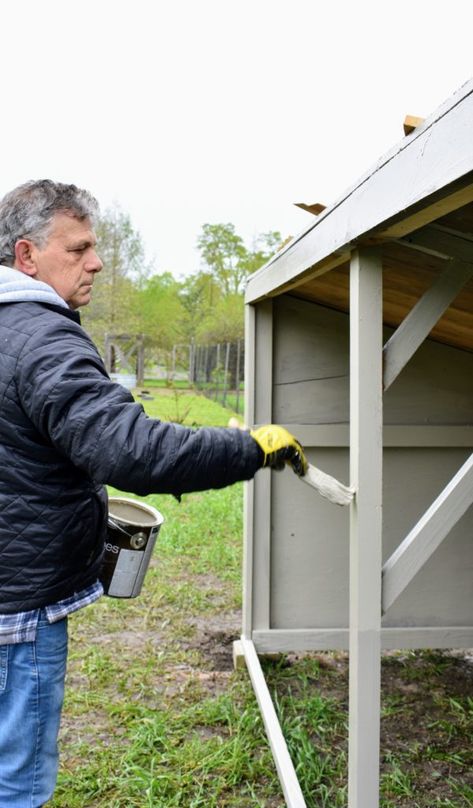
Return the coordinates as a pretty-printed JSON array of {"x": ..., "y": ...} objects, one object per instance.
[{"x": 327, "y": 486}]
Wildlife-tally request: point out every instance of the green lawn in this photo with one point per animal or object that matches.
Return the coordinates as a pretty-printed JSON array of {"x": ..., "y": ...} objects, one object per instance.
[{"x": 156, "y": 716}]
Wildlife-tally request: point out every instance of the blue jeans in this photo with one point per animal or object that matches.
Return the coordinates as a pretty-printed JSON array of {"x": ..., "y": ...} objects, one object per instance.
[{"x": 31, "y": 696}]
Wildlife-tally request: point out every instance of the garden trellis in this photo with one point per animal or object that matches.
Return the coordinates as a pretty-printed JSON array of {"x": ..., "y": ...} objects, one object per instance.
[{"x": 360, "y": 341}]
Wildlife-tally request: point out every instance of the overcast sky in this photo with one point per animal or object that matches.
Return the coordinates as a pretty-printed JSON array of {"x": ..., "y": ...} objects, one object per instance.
[{"x": 218, "y": 110}]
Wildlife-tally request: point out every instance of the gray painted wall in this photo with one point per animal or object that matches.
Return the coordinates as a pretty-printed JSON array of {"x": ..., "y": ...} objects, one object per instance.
[{"x": 301, "y": 552}]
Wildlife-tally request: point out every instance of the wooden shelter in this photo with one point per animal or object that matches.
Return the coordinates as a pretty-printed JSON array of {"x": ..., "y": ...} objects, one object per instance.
[{"x": 360, "y": 341}]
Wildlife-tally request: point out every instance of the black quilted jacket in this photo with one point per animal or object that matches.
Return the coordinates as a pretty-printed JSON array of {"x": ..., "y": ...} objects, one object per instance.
[{"x": 65, "y": 431}]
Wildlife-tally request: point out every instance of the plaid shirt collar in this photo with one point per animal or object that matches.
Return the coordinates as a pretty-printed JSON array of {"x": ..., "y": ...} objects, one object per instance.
[{"x": 21, "y": 627}]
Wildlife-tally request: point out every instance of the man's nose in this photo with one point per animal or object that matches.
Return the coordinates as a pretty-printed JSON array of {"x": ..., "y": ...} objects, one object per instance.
[{"x": 95, "y": 263}]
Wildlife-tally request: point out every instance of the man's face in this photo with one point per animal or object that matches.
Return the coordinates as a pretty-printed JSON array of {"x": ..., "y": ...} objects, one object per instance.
[{"x": 68, "y": 261}]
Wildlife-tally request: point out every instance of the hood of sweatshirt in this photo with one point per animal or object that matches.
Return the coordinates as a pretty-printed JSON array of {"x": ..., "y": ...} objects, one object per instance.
[{"x": 16, "y": 287}]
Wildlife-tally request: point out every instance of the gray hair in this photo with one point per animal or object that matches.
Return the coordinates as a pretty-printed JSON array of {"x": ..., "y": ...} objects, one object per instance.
[{"x": 28, "y": 212}]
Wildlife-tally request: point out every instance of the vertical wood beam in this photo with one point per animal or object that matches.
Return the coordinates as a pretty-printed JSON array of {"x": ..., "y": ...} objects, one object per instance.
[
  {"x": 248, "y": 491},
  {"x": 263, "y": 483},
  {"x": 366, "y": 447},
  {"x": 258, "y": 409}
]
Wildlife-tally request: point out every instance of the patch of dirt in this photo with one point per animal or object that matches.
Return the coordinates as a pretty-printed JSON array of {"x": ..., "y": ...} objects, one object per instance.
[
  {"x": 214, "y": 637},
  {"x": 130, "y": 640}
]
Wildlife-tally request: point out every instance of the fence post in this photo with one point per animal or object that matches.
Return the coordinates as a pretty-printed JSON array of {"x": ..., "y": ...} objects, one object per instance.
[
  {"x": 225, "y": 375},
  {"x": 217, "y": 372},
  {"x": 190, "y": 374},
  {"x": 237, "y": 377}
]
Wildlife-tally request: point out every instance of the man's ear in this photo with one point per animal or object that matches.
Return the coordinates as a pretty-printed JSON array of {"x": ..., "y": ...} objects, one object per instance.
[{"x": 24, "y": 260}]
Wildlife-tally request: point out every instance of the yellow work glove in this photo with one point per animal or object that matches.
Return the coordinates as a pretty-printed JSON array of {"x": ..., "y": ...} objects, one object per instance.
[{"x": 280, "y": 447}]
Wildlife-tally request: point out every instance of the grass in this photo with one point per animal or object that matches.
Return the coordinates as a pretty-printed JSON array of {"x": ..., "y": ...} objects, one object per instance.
[{"x": 156, "y": 716}]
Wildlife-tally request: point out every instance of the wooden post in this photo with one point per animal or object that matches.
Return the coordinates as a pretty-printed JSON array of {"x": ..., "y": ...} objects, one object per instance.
[
  {"x": 366, "y": 447},
  {"x": 248, "y": 490}
]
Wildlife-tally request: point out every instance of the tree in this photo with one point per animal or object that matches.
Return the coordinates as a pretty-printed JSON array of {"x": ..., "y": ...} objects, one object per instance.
[
  {"x": 115, "y": 306},
  {"x": 161, "y": 312},
  {"x": 229, "y": 260},
  {"x": 225, "y": 323},
  {"x": 199, "y": 295},
  {"x": 263, "y": 247},
  {"x": 223, "y": 252}
]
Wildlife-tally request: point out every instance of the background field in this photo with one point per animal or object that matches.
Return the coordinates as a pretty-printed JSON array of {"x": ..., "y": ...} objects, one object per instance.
[{"x": 156, "y": 716}]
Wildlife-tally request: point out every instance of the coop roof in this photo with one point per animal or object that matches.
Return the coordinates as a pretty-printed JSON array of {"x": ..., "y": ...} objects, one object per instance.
[{"x": 415, "y": 204}]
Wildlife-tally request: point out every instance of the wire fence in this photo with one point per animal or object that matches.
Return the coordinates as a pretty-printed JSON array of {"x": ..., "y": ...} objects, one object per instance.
[{"x": 215, "y": 370}]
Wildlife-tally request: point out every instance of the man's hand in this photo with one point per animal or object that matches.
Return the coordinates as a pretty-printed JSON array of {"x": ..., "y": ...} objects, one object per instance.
[{"x": 280, "y": 447}]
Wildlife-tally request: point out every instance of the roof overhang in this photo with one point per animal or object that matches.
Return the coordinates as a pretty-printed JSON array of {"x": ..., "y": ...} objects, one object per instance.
[{"x": 425, "y": 177}]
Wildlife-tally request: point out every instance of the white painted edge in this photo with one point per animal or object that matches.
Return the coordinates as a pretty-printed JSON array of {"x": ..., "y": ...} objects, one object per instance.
[
  {"x": 285, "y": 768},
  {"x": 248, "y": 495},
  {"x": 339, "y": 225}
]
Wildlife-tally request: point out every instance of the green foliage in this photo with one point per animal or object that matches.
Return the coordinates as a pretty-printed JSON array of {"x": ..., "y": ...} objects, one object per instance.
[
  {"x": 161, "y": 311},
  {"x": 229, "y": 260},
  {"x": 200, "y": 294},
  {"x": 115, "y": 304},
  {"x": 224, "y": 323},
  {"x": 223, "y": 252},
  {"x": 207, "y": 306}
]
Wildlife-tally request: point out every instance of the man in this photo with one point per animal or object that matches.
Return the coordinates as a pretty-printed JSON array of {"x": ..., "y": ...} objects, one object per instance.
[{"x": 65, "y": 431}]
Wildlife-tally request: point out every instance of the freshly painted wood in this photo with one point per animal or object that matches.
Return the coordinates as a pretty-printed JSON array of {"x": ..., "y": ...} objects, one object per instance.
[
  {"x": 285, "y": 768},
  {"x": 427, "y": 534},
  {"x": 385, "y": 193},
  {"x": 309, "y": 548},
  {"x": 248, "y": 493},
  {"x": 263, "y": 363},
  {"x": 310, "y": 379},
  {"x": 393, "y": 435},
  {"x": 423, "y": 435},
  {"x": 309, "y": 578},
  {"x": 263, "y": 482},
  {"x": 310, "y": 343},
  {"x": 419, "y": 322},
  {"x": 366, "y": 466},
  {"x": 337, "y": 639}
]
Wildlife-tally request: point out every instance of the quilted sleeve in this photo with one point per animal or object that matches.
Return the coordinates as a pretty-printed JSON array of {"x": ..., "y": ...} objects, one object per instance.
[{"x": 96, "y": 425}]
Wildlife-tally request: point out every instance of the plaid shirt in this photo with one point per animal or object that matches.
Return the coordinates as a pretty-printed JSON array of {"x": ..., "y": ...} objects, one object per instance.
[{"x": 21, "y": 627}]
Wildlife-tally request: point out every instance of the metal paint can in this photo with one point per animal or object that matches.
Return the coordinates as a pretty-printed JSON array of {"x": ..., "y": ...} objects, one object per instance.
[{"x": 132, "y": 531}]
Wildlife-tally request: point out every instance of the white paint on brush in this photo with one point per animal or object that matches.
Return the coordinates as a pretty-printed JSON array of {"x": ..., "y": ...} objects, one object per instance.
[{"x": 328, "y": 486}]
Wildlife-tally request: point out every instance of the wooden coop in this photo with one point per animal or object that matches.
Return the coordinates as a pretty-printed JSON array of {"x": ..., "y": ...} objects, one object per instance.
[{"x": 360, "y": 342}]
